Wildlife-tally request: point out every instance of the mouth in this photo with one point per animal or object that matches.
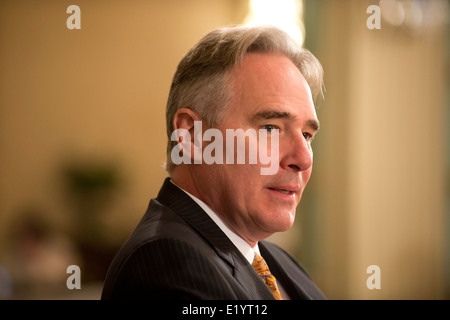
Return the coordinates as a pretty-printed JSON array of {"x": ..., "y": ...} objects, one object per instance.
[{"x": 283, "y": 191}]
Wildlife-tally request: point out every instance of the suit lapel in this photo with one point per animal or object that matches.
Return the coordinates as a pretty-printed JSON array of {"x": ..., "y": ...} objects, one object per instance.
[
  {"x": 294, "y": 280},
  {"x": 177, "y": 200}
]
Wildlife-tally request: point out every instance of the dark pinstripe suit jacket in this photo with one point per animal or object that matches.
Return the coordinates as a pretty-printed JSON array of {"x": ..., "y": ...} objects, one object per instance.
[{"x": 178, "y": 252}]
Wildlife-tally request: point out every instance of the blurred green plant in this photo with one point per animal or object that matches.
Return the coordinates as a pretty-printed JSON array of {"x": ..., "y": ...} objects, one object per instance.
[{"x": 91, "y": 187}]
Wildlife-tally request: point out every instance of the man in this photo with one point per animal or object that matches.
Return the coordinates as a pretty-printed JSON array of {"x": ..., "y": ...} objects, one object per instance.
[{"x": 202, "y": 237}]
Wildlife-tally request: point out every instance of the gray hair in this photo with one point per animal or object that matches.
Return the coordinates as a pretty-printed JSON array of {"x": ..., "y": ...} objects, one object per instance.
[{"x": 202, "y": 79}]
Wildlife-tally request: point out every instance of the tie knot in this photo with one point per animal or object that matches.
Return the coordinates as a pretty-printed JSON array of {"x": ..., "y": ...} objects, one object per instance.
[{"x": 260, "y": 265}]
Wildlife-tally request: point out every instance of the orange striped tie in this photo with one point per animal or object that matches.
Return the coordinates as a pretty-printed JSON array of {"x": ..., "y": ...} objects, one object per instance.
[{"x": 260, "y": 266}]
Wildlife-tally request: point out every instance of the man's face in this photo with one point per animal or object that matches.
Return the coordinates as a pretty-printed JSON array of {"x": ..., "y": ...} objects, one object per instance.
[{"x": 269, "y": 93}]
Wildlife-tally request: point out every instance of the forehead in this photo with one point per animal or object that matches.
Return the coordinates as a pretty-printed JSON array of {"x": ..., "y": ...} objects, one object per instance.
[{"x": 266, "y": 81}]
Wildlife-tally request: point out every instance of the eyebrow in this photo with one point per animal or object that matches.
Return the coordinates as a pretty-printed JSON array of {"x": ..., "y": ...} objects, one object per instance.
[
  {"x": 272, "y": 115},
  {"x": 314, "y": 124},
  {"x": 266, "y": 115}
]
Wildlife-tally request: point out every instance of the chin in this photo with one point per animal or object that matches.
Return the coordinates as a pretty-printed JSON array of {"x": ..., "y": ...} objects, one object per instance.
[{"x": 281, "y": 222}]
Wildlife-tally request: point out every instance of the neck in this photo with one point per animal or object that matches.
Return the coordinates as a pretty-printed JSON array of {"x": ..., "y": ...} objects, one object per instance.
[{"x": 182, "y": 177}]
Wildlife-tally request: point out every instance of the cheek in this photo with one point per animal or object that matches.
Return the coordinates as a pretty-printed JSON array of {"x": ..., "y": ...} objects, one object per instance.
[
  {"x": 239, "y": 178},
  {"x": 305, "y": 176},
  {"x": 246, "y": 185}
]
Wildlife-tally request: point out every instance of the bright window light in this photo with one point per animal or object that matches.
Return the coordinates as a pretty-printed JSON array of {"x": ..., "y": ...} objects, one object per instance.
[{"x": 284, "y": 14}]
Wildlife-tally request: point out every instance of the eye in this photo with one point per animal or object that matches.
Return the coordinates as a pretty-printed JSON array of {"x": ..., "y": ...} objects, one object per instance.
[
  {"x": 269, "y": 127},
  {"x": 307, "y": 136}
]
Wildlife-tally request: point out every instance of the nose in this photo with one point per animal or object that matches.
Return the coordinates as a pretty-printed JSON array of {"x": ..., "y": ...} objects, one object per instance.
[{"x": 297, "y": 154}]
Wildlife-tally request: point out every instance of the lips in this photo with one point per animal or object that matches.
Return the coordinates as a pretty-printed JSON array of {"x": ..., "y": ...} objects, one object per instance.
[
  {"x": 285, "y": 189},
  {"x": 282, "y": 191}
]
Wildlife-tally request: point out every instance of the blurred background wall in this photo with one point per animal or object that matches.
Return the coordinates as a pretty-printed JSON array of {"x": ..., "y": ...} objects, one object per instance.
[{"x": 82, "y": 140}]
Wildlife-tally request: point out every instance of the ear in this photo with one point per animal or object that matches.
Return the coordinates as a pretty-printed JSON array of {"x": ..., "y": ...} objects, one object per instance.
[{"x": 184, "y": 121}]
